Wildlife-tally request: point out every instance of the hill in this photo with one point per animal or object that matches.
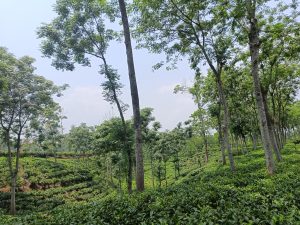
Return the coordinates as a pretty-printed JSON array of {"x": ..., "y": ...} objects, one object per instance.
[{"x": 207, "y": 195}]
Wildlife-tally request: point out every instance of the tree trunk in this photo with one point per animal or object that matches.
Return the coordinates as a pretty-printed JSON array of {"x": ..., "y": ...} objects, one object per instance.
[
  {"x": 13, "y": 195},
  {"x": 135, "y": 99},
  {"x": 225, "y": 121},
  {"x": 125, "y": 141},
  {"x": 245, "y": 144},
  {"x": 271, "y": 128},
  {"x": 13, "y": 175},
  {"x": 254, "y": 46},
  {"x": 221, "y": 140},
  {"x": 206, "y": 148},
  {"x": 274, "y": 141}
]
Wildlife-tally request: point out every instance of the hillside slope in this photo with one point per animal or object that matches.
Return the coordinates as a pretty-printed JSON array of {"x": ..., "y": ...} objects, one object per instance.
[{"x": 209, "y": 195}]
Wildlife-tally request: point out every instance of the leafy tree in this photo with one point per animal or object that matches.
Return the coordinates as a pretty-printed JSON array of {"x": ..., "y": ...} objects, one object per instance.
[
  {"x": 280, "y": 77},
  {"x": 135, "y": 99},
  {"x": 24, "y": 98},
  {"x": 197, "y": 29},
  {"x": 108, "y": 141},
  {"x": 46, "y": 131},
  {"x": 150, "y": 135},
  {"x": 249, "y": 20},
  {"x": 79, "y": 34},
  {"x": 161, "y": 156},
  {"x": 294, "y": 117},
  {"x": 80, "y": 138},
  {"x": 201, "y": 121},
  {"x": 243, "y": 119}
]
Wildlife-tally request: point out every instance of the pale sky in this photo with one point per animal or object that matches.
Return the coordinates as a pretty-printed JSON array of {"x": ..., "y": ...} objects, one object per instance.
[{"x": 83, "y": 101}]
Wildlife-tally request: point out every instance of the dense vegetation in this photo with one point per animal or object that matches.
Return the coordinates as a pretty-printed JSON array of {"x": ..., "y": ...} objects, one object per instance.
[
  {"x": 235, "y": 160},
  {"x": 207, "y": 195}
]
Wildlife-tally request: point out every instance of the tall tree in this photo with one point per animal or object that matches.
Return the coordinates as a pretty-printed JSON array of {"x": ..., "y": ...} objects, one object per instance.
[
  {"x": 197, "y": 29},
  {"x": 135, "y": 99},
  {"x": 79, "y": 34},
  {"x": 108, "y": 141},
  {"x": 280, "y": 70},
  {"x": 250, "y": 17},
  {"x": 150, "y": 135},
  {"x": 200, "y": 116},
  {"x": 24, "y": 98}
]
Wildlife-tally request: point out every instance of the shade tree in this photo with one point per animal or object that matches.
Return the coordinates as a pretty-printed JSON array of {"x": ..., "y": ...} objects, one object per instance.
[
  {"x": 79, "y": 35},
  {"x": 24, "y": 98},
  {"x": 80, "y": 138},
  {"x": 198, "y": 30}
]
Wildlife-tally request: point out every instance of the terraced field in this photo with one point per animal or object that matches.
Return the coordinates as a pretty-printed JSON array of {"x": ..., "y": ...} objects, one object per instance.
[
  {"x": 71, "y": 192},
  {"x": 45, "y": 184}
]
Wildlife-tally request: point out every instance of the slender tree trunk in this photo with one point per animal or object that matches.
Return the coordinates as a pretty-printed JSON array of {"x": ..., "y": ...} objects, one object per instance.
[
  {"x": 274, "y": 141},
  {"x": 254, "y": 46},
  {"x": 135, "y": 99},
  {"x": 206, "y": 148},
  {"x": 221, "y": 139},
  {"x": 125, "y": 140},
  {"x": 245, "y": 144},
  {"x": 275, "y": 125},
  {"x": 278, "y": 136},
  {"x": 283, "y": 136},
  {"x": 12, "y": 175},
  {"x": 13, "y": 196},
  {"x": 225, "y": 121},
  {"x": 271, "y": 128}
]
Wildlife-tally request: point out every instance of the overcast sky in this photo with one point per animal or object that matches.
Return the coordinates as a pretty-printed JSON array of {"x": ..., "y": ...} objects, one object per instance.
[{"x": 83, "y": 102}]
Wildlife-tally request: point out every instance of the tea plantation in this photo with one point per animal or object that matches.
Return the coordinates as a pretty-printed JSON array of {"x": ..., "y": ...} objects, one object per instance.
[{"x": 69, "y": 192}]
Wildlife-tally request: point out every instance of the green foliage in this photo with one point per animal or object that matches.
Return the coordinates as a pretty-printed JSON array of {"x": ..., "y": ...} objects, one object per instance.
[
  {"x": 80, "y": 138},
  {"x": 109, "y": 136},
  {"x": 45, "y": 184},
  {"x": 77, "y": 33},
  {"x": 194, "y": 29},
  {"x": 294, "y": 115},
  {"x": 75, "y": 191},
  {"x": 210, "y": 195}
]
